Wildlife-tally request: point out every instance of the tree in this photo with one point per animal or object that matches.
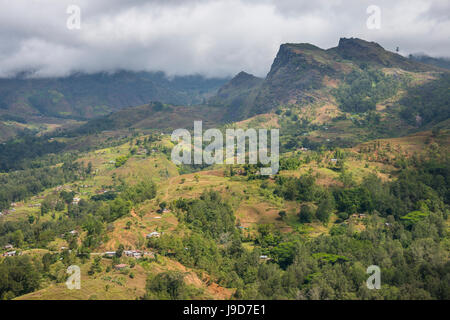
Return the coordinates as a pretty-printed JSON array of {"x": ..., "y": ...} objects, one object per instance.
[
  {"x": 306, "y": 214},
  {"x": 162, "y": 206},
  {"x": 67, "y": 196},
  {"x": 119, "y": 251},
  {"x": 325, "y": 208},
  {"x": 166, "y": 285},
  {"x": 17, "y": 238}
]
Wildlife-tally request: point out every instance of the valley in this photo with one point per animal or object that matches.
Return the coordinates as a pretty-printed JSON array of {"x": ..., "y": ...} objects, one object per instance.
[{"x": 364, "y": 180}]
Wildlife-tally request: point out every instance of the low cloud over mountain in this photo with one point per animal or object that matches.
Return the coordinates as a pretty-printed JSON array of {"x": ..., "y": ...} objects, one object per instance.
[{"x": 212, "y": 38}]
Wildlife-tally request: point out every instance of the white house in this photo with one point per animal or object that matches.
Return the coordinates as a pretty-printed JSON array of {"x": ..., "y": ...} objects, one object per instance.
[
  {"x": 153, "y": 234},
  {"x": 10, "y": 254}
]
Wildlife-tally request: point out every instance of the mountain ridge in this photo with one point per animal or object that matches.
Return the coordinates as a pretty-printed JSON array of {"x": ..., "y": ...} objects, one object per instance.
[{"x": 300, "y": 70}]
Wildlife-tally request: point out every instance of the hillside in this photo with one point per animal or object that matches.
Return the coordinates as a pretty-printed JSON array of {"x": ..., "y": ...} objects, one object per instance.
[
  {"x": 154, "y": 115},
  {"x": 437, "y": 62},
  {"x": 217, "y": 260},
  {"x": 90, "y": 95},
  {"x": 238, "y": 92},
  {"x": 364, "y": 180},
  {"x": 303, "y": 74}
]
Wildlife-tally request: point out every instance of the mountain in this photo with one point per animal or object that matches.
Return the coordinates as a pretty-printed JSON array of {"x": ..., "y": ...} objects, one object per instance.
[
  {"x": 154, "y": 115},
  {"x": 303, "y": 74},
  {"x": 437, "y": 62},
  {"x": 84, "y": 96},
  {"x": 371, "y": 53},
  {"x": 241, "y": 90},
  {"x": 105, "y": 196}
]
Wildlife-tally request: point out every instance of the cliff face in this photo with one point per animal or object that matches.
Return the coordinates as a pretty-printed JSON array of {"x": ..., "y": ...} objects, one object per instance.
[
  {"x": 296, "y": 70},
  {"x": 371, "y": 53},
  {"x": 299, "y": 71}
]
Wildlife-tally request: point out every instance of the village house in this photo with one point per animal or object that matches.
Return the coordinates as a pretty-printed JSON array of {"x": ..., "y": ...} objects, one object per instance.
[
  {"x": 133, "y": 254},
  {"x": 10, "y": 254},
  {"x": 76, "y": 200},
  {"x": 153, "y": 234}
]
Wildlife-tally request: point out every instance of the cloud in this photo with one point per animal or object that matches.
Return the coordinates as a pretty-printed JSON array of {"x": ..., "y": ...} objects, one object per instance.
[{"x": 213, "y": 38}]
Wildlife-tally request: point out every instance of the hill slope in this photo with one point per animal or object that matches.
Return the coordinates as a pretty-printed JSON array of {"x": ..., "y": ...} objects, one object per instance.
[
  {"x": 303, "y": 74},
  {"x": 90, "y": 95}
]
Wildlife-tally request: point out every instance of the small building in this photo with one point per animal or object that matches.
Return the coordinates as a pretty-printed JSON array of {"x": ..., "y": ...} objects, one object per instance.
[
  {"x": 264, "y": 257},
  {"x": 133, "y": 254},
  {"x": 362, "y": 215},
  {"x": 8, "y": 246},
  {"x": 334, "y": 160},
  {"x": 73, "y": 232},
  {"x": 128, "y": 253},
  {"x": 153, "y": 234},
  {"x": 76, "y": 200},
  {"x": 10, "y": 254},
  {"x": 165, "y": 210}
]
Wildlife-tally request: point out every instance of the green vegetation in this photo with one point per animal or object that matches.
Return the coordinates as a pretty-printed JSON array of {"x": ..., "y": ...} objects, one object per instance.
[
  {"x": 105, "y": 195},
  {"x": 428, "y": 102},
  {"x": 362, "y": 90}
]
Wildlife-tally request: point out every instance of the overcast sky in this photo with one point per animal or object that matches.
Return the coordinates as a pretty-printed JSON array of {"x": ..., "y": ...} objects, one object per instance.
[{"x": 209, "y": 37}]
